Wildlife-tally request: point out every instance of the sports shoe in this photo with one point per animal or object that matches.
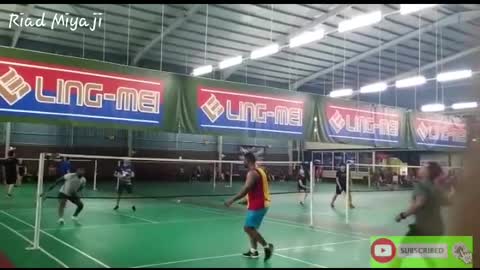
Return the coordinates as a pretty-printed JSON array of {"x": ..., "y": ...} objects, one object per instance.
[
  {"x": 351, "y": 206},
  {"x": 61, "y": 221},
  {"x": 115, "y": 208},
  {"x": 301, "y": 203},
  {"x": 268, "y": 252},
  {"x": 134, "y": 208},
  {"x": 74, "y": 218},
  {"x": 250, "y": 254},
  {"x": 9, "y": 195}
]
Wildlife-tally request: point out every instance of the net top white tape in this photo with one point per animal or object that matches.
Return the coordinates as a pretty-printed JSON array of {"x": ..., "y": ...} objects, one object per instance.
[
  {"x": 97, "y": 157},
  {"x": 56, "y": 159},
  {"x": 395, "y": 166}
]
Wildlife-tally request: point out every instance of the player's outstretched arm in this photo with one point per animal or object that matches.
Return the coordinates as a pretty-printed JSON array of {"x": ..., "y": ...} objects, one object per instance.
[
  {"x": 251, "y": 176},
  {"x": 416, "y": 204},
  {"x": 57, "y": 182}
]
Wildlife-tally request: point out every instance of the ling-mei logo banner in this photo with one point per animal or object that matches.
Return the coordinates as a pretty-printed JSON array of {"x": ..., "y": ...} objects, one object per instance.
[
  {"x": 363, "y": 124},
  {"x": 439, "y": 131},
  {"x": 33, "y": 89},
  {"x": 229, "y": 110}
]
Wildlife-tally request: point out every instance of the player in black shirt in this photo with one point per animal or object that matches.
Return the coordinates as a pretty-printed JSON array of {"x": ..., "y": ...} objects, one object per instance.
[
  {"x": 11, "y": 171},
  {"x": 341, "y": 185}
]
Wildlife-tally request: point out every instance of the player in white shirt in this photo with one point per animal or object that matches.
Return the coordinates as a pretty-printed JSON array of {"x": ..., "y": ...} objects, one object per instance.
[{"x": 73, "y": 183}]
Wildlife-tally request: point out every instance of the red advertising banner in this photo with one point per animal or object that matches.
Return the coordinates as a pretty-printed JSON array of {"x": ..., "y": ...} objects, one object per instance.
[
  {"x": 36, "y": 89},
  {"x": 221, "y": 109},
  {"x": 436, "y": 130},
  {"x": 363, "y": 124}
]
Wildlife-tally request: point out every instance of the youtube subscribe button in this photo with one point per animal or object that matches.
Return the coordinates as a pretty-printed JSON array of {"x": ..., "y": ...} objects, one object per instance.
[{"x": 383, "y": 250}]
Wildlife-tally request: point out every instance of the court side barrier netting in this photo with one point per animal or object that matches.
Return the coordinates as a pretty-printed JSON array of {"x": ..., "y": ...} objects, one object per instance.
[
  {"x": 202, "y": 183},
  {"x": 387, "y": 184}
]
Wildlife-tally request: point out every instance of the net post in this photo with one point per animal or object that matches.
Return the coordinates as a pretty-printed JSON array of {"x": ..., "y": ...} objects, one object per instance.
[
  {"x": 312, "y": 176},
  {"x": 347, "y": 200},
  {"x": 38, "y": 209},
  {"x": 95, "y": 176}
]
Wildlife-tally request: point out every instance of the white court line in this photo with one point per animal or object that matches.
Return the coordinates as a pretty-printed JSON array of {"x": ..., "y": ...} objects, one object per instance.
[
  {"x": 283, "y": 222},
  {"x": 134, "y": 217},
  {"x": 298, "y": 260},
  {"x": 31, "y": 243},
  {"x": 129, "y": 224},
  {"x": 321, "y": 245},
  {"x": 161, "y": 222},
  {"x": 60, "y": 241},
  {"x": 187, "y": 260},
  {"x": 237, "y": 254}
]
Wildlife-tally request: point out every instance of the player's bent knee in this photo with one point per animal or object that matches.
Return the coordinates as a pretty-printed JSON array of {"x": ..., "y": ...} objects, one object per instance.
[{"x": 248, "y": 229}]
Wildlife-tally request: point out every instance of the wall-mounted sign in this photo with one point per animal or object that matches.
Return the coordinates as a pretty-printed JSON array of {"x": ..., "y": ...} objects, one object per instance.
[{"x": 31, "y": 89}]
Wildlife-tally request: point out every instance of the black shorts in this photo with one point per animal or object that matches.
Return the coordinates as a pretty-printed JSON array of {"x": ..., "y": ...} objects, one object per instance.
[
  {"x": 11, "y": 180},
  {"x": 125, "y": 187},
  {"x": 74, "y": 198},
  {"x": 341, "y": 188}
]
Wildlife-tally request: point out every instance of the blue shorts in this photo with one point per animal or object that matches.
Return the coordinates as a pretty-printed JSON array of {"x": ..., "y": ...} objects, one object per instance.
[{"x": 255, "y": 217}]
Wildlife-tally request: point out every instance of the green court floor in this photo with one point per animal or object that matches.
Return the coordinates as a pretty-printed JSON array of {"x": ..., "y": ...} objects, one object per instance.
[{"x": 196, "y": 232}]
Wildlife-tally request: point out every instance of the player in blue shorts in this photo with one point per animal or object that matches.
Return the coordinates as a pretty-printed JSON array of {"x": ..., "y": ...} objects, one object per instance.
[{"x": 258, "y": 200}]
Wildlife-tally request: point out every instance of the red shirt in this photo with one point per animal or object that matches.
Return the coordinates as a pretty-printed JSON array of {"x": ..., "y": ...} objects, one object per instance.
[{"x": 259, "y": 196}]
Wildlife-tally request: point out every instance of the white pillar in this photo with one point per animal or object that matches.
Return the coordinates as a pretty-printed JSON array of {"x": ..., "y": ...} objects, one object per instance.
[
  {"x": 312, "y": 180},
  {"x": 72, "y": 134},
  {"x": 347, "y": 200},
  {"x": 118, "y": 178},
  {"x": 8, "y": 131},
  {"x": 214, "y": 176},
  {"x": 298, "y": 150},
  {"x": 130, "y": 142},
  {"x": 95, "y": 175},
  {"x": 373, "y": 160},
  {"x": 220, "y": 152},
  {"x": 290, "y": 156},
  {"x": 231, "y": 174}
]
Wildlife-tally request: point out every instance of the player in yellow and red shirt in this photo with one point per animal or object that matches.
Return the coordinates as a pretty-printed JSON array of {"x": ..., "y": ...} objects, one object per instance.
[{"x": 258, "y": 200}]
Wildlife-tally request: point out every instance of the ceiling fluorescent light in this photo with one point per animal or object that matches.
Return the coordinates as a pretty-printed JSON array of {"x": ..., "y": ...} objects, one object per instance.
[
  {"x": 411, "y": 8},
  {"x": 341, "y": 93},
  {"x": 202, "y": 70},
  {"x": 306, "y": 37},
  {"x": 265, "y": 51},
  {"x": 360, "y": 21},
  {"x": 373, "y": 88},
  {"x": 409, "y": 82},
  {"x": 435, "y": 107},
  {"x": 454, "y": 75},
  {"x": 230, "y": 62},
  {"x": 464, "y": 105}
]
